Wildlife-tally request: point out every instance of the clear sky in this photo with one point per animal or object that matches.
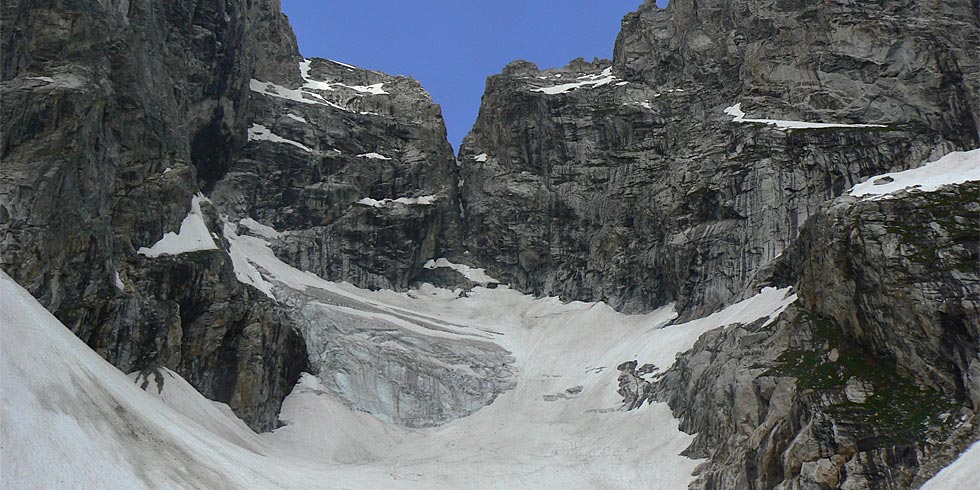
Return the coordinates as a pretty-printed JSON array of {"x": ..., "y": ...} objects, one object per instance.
[{"x": 451, "y": 46}]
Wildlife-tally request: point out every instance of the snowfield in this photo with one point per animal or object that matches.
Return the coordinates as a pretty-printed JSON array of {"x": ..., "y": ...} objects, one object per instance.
[
  {"x": 71, "y": 420},
  {"x": 954, "y": 168}
]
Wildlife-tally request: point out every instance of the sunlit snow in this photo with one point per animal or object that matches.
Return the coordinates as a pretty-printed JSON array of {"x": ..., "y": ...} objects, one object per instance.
[
  {"x": 192, "y": 237},
  {"x": 304, "y": 70},
  {"x": 739, "y": 117},
  {"x": 259, "y": 229},
  {"x": 259, "y": 132},
  {"x": 590, "y": 81},
  {"x": 373, "y": 156},
  {"x": 302, "y": 96},
  {"x": 963, "y": 474},
  {"x": 409, "y": 201},
  {"x": 525, "y": 439},
  {"x": 954, "y": 168}
]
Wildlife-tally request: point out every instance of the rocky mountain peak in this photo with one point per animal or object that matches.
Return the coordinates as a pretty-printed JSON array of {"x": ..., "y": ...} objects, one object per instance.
[{"x": 757, "y": 225}]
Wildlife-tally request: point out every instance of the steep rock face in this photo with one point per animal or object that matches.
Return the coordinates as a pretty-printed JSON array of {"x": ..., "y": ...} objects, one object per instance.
[
  {"x": 105, "y": 110},
  {"x": 869, "y": 380},
  {"x": 352, "y": 167},
  {"x": 116, "y": 114},
  {"x": 639, "y": 182},
  {"x": 901, "y": 277}
]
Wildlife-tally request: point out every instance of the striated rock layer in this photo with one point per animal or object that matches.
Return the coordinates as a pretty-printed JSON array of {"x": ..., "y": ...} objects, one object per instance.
[
  {"x": 870, "y": 381},
  {"x": 679, "y": 168}
]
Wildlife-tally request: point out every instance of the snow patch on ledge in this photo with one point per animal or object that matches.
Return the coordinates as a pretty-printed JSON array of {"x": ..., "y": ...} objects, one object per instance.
[
  {"x": 482, "y": 157},
  {"x": 591, "y": 81},
  {"x": 739, "y": 117},
  {"x": 345, "y": 65},
  {"x": 304, "y": 71},
  {"x": 373, "y": 156},
  {"x": 474, "y": 274},
  {"x": 259, "y": 132},
  {"x": 408, "y": 201},
  {"x": 273, "y": 90},
  {"x": 955, "y": 168},
  {"x": 192, "y": 237}
]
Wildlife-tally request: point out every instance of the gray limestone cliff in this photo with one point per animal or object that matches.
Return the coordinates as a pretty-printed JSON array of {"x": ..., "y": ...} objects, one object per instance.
[
  {"x": 116, "y": 114},
  {"x": 631, "y": 181}
]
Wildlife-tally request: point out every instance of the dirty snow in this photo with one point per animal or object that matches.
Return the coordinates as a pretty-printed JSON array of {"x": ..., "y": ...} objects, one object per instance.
[
  {"x": 259, "y": 132},
  {"x": 672, "y": 91},
  {"x": 192, "y": 237},
  {"x": 739, "y": 117},
  {"x": 954, "y": 168}
]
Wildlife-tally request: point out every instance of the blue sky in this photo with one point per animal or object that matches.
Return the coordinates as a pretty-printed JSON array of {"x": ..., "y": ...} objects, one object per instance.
[{"x": 451, "y": 46}]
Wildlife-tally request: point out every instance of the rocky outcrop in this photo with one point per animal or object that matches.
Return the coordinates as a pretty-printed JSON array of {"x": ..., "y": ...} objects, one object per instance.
[
  {"x": 116, "y": 114},
  {"x": 638, "y": 181},
  {"x": 867, "y": 382},
  {"x": 353, "y": 169},
  {"x": 902, "y": 277}
]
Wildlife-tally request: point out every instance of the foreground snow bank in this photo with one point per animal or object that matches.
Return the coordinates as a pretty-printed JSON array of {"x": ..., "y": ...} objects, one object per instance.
[{"x": 71, "y": 420}]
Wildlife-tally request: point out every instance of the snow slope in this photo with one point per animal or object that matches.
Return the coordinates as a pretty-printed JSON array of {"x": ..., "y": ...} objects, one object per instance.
[
  {"x": 192, "y": 237},
  {"x": 71, "y": 420},
  {"x": 954, "y": 168}
]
